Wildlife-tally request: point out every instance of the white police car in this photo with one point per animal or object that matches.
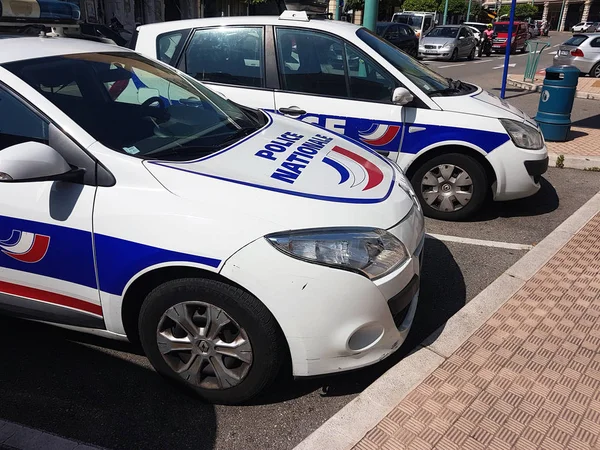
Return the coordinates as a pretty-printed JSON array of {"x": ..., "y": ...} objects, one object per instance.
[
  {"x": 138, "y": 204},
  {"x": 453, "y": 140}
]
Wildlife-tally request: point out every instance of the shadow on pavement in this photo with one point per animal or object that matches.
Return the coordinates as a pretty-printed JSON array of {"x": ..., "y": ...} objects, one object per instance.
[
  {"x": 543, "y": 202},
  {"x": 75, "y": 386},
  {"x": 588, "y": 122},
  {"x": 443, "y": 293}
]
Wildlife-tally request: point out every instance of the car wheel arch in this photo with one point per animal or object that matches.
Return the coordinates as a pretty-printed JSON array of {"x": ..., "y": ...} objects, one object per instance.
[
  {"x": 427, "y": 154},
  {"x": 139, "y": 288}
]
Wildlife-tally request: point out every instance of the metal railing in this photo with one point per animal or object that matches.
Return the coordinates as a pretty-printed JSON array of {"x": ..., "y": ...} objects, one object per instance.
[{"x": 535, "y": 49}]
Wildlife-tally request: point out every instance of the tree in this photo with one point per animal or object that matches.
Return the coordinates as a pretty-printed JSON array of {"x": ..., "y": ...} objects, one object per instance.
[
  {"x": 422, "y": 5},
  {"x": 522, "y": 11}
]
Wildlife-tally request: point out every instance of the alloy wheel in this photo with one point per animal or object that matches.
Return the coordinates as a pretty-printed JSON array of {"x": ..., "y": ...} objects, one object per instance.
[
  {"x": 204, "y": 345},
  {"x": 447, "y": 188}
]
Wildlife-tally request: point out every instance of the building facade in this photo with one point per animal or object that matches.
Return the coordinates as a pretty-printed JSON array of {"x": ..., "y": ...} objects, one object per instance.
[
  {"x": 132, "y": 12},
  {"x": 561, "y": 14}
]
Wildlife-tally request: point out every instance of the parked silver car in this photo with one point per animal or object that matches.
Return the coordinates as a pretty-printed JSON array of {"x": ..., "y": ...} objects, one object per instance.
[
  {"x": 448, "y": 42},
  {"x": 581, "y": 51}
]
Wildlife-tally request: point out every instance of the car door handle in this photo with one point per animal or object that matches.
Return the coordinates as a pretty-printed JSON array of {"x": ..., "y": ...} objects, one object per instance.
[{"x": 292, "y": 111}]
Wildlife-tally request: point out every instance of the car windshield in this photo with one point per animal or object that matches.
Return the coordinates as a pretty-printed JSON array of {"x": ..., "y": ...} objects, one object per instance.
[
  {"x": 423, "y": 77},
  {"x": 576, "y": 40},
  {"x": 443, "y": 32},
  {"x": 503, "y": 28},
  {"x": 136, "y": 106},
  {"x": 409, "y": 19}
]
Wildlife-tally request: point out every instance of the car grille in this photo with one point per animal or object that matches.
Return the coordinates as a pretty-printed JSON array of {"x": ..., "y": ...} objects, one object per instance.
[
  {"x": 500, "y": 40},
  {"x": 430, "y": 46}
]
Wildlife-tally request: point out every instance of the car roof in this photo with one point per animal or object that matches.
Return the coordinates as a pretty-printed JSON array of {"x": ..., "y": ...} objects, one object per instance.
[
  {"x": 448, "y": 26},
  {"x": 334, "y": 26},
  {"x": 22, "y": 48}
]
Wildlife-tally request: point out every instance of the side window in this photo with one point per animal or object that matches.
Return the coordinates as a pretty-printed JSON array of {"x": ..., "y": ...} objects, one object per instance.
[
  {"x": 463, "y": 32},
  {"x": 18, "y": 123},
  {"x": 427, "y": 24},
  {"x": 367, "y": 81},
  {"x": 230, "y": 55},
  {"x": 403, "y": 31},
  {"x": 595, "y": 43},
  {"x": 166, "y": 45},
  {"x": 310, "y": 62}
]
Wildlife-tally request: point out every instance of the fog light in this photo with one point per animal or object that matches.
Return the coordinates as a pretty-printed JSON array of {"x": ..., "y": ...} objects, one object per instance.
[{"x": 365, "y": 337}]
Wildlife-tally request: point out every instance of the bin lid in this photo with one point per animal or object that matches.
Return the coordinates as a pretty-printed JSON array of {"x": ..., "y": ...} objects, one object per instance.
[{"x": 568, "y": 75}]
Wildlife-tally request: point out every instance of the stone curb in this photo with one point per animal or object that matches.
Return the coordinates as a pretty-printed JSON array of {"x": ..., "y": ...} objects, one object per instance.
[
  {"x": 538, "y": 87},
  {"x": 575, "y": 161},
  {"x": 349, "y": 425},
  {"x": 19, "y": 437}
]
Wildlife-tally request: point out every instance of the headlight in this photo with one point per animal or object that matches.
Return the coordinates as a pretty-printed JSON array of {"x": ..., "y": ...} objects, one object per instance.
[
  {"x": 523, "y": 135},
  {"x": 512, "y": 40},
  {"x": 369, "y": 251}
]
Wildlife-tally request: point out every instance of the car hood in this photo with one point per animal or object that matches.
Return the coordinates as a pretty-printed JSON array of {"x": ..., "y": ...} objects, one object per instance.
[
  {"x": 437, "y": 41},
  {"x": 293, "y": 175},
  {"x": 482, "y": 103}
]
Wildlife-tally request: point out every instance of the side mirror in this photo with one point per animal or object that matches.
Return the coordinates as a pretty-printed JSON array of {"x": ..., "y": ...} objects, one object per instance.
[
  {"x": 402, "y": 96},
  {"x": 461, "y": 37},
  {"x": 32, "y": 161}
]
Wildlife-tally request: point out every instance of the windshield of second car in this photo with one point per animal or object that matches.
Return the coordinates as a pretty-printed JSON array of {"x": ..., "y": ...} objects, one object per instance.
[
  {"x": 136, "y": 106},
  {"x": 443, "y": 32},
  {"x": 409, "y": 19},
  {"x": 423, "y": 77},
  {"x": 503, "y": 28}
]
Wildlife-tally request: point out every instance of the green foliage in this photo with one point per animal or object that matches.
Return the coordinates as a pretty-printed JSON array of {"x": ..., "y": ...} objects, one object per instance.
[
  {"x": 560, "y": 161},
  {"x": 423, "y": 5},
  {"x": 523, "y": 10}
]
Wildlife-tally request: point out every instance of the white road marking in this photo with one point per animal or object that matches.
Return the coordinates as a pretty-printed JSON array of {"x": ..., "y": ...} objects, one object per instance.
[
  {"x": 554, "y": 46},
  {"x": 482, "y": 61},
  {"x": 502, "y": 66},
  {"x": 484, "y": 243},
  {"x": 552, "y": 53},
  {"x": 450, "y": 65}
]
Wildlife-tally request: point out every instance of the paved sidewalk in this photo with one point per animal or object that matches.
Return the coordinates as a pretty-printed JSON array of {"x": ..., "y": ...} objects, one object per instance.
[
  {"x": 580, "y": 151},
  {"x": 528, "y": 378},
  {"x": 587, "y": 87}
]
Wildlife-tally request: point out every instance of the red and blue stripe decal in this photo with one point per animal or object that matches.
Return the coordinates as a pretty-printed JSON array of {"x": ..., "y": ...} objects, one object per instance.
[{"x": 67, "y": 254}]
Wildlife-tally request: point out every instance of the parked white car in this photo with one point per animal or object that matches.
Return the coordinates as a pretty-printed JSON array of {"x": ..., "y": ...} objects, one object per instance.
[
  {"x": 139, "y": 204},
  {"x": 454, "y": 140},
  {"x": 581, "y": 27}
]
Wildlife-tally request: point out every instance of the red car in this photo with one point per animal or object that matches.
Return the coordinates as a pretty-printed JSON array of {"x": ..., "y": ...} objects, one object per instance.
[{"x": 519, "y": 37}]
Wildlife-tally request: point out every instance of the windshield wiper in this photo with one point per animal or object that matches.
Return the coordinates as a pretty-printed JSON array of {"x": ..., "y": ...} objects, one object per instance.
[
  {"x": 186, "y": 151},
  {"x": 456, "y": 84},
  {"x": 443, "y": 91}
]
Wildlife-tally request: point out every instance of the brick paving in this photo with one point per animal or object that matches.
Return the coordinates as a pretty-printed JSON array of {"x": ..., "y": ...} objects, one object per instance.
[
  {"x": 528, "y": 378},
  {"x": 581, "y": 142}
]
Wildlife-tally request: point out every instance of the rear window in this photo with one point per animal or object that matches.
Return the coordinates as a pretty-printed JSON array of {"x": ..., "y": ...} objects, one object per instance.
[
  {"x": 576, "y": 40},
  {"x": 167, "y": 45}
]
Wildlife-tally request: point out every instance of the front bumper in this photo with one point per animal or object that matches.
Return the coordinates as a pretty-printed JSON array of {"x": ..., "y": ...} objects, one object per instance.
[
  {"x": 518, "y": 171},
  {"x": 438, "y": 53},
  {"x": 334, "y": 320}
]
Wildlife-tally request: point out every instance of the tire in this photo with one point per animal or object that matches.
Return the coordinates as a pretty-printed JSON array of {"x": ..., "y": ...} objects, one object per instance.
[
  {"x": 595, "y": 72},
  {"x": 454, "y": 55},
  {"x": 472, "y": 54},
  {"x": 236, "y": 315},
  {"x": 433, "y": 205},
  {"x": 480, "y": 51}
]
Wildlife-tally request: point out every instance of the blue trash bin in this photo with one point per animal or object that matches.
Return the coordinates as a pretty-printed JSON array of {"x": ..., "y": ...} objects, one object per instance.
[{"x": 556, "y": 102}]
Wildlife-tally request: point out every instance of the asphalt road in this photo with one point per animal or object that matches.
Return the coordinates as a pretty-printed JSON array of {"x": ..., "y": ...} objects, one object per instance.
[{"x": 105, "y": 393}]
